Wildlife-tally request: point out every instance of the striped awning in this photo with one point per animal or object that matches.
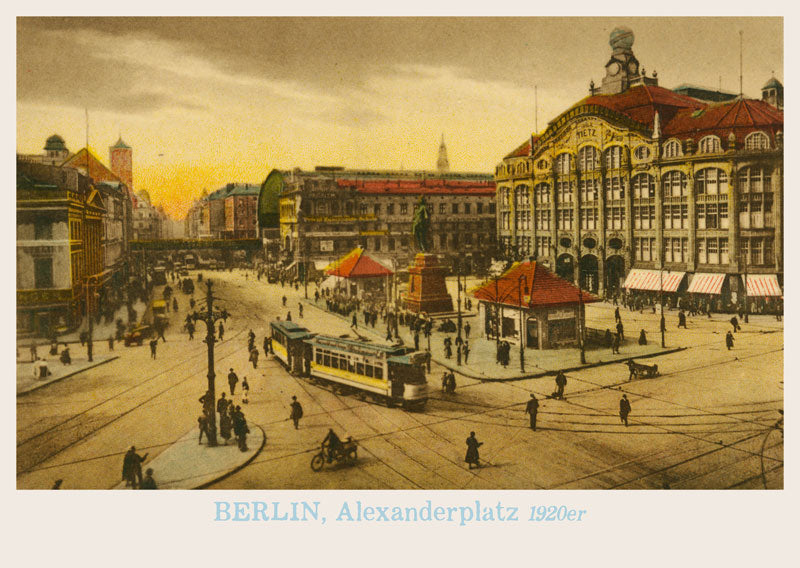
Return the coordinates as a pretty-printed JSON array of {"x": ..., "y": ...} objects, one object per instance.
[
  {"x": 706, "y": 283},
  {"x": 642, "y": 279},
  {"x": 763, "y": 285}
]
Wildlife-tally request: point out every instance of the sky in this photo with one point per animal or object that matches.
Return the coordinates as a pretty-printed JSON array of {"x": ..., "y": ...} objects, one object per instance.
[{"x": 208, "y": 101}]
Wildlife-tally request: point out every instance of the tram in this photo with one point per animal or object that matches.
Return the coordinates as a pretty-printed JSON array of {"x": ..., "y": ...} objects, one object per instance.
[{"x": 389, "y": 374}]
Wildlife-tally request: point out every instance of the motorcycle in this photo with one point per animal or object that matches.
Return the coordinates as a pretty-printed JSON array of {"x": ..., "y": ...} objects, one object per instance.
[{"x": 348, "y": 453}]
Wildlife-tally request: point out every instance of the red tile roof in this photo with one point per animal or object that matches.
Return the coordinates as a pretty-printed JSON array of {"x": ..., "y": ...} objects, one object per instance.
[
  {"x": 428, "y": 186},
  {"x": 682, "y": 116},
  {"x": 545, "y": 289},
  {"x": 356, "y": 264}
]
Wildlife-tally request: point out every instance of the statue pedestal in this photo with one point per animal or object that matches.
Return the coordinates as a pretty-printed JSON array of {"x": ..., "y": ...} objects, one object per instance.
[{"x": 426, "y": 286}]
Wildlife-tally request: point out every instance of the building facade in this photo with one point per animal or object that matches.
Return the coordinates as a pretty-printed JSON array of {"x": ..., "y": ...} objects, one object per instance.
[
  {"x": 60, "y": 261},
  {"x": 329, "y": 211},
  {"x": 637, "y": 176},
  {"x": 148, "y": 219},
  {"x": 241, "y": 206}
]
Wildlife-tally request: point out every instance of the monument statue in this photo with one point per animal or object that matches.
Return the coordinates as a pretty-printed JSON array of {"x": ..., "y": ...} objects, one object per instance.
[{"x": 421, "y": 224}]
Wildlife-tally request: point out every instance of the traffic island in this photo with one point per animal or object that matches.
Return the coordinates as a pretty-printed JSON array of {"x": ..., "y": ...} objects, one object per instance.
[
  {"x": 27, "y": 382},
  {"x": 189, "y": 465}
]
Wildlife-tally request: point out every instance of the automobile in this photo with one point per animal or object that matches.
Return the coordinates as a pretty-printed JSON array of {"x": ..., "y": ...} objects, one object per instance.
[{"x": 138, "y": 334}]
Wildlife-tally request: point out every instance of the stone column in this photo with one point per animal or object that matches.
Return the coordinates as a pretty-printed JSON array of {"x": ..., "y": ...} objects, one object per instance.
[
  {"x": 691, "y": 262},
  {"x": 777, "y": 215},
  {"x": 734, "y": 231}
]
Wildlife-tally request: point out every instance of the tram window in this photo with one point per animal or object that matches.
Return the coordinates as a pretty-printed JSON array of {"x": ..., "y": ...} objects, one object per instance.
[
  {"x": 319, "y": 357},
  {"x": 350, "y": 366},
  {"x": 378, "y": 372},
  {"x": 368, "y": 370},
  {"x": 334, "y": 361},
  {"x": 360, "y": 368},
  {"x": 326, "y": 359}
]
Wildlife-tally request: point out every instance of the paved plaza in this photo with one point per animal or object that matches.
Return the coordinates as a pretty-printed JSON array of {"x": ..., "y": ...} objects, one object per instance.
[{"x": 706, "y": 422}]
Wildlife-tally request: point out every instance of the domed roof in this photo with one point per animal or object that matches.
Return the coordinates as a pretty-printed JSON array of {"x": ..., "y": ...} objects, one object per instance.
[
  {"x": 621, "y": 38},
  {"x": 55, "y": 142},
  {"x": 144, "y": 195},
  {"x": 772, "y": 84}
]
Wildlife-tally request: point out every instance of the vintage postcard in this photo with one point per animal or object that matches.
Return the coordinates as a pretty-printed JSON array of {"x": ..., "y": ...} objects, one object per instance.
[{"x": 399, "y": 253}]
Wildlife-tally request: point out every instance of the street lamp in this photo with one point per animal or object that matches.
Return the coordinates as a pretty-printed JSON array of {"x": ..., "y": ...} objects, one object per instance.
[
  {"x": 210, "y": 317},
  {"x": 458, "y": 285},
  {"x": 746, "y": 307},
  {"x": 521, "y": 321}
]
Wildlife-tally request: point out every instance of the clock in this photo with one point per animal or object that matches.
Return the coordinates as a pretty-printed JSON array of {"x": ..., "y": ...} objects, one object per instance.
[
  {"x": 614, "y": 68},
  {"x": 633, "y": 68}
]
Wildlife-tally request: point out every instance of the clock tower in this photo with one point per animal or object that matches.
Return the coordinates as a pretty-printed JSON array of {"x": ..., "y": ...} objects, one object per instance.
[{"x": 622, "y": 70}]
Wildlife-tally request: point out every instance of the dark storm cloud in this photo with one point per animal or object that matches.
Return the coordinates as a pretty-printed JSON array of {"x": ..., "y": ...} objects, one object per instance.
[{"x": 54, "y": 68}]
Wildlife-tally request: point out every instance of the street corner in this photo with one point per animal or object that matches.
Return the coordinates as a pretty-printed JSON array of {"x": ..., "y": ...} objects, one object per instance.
[
  {"x": 186, "y": 464},
  {"x": 28, "y": 382}
]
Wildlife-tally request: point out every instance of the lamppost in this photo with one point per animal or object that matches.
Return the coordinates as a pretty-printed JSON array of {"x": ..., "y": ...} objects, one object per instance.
[
  {"x": 746, "y": 306},
  {"x": 458, "y": 285},
  {"x": 521, "y": 321},
  {"x": 210, "y": 317}
]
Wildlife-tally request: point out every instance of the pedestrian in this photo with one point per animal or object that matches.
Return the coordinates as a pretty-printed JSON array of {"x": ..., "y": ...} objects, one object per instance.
[
  {"x": 111, "y": 343},
  {"x": 532, "y": 408},
  {"x": 300, "y": 308},
  {"x": 735, "y": 324},
  {"x": 283, "y": 300},
  {"x": 201, "y": 425},
  {"x": 296, "y": 413},
  {"x": 160, "y": 326},
  {"x": 388, "y": 334},
  {"x": 232, "y": 380},
  {"x": 624, "y": 409},
  {"x": 472, "y": 457},
  {"x": 222, "y": 405},
  {"x": 65, "y": 357},
  {"x": 561, "y": 382},
  {"x": 617, "y": 317},
  {"x": 682, "y": 319},
  {"x": 153, "y": 346},
  {"x": 254, "y": 357},
  {"x": 190, "y": 330},
  {"x": 191, "y": 303},
  {"x": 465, "y": 352},
  {"x": 615, "y": 344},
  {"x": 240, "y": 428},
  {"x": 84, "y": 336},
  {"x": 245, "y": 391},
  {"x": 451, "y": 383},
  {"x": 174, "y": 304},
  {"x": 467, "y": 328},
  {"x": 221, "y": 331},
  {"x": 226, "y": 422},
  {"x": 355, "y": 321},
  {"x": 289, "y": 316},
  {"x": 642, "y": 338},
  {"x": 729, "y": 340},
  {"x": 132, "y": 468},
  {"x": 445, "y": 379},
  {"x": 620, "y": 331},
  {"x": 416, "y": 340},
  {"x": 448, "y": 349},
  {"x": 148, "y": 482}
]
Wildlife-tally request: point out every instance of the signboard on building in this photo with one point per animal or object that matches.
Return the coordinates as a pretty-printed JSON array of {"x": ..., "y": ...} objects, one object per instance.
[
  {"x": 560, "y": 315},
  {"x": 326, "y": 246}
]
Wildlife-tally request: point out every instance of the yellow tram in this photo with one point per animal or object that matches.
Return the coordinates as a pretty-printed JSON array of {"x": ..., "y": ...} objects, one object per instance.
[{"x": 389, "y": 374}]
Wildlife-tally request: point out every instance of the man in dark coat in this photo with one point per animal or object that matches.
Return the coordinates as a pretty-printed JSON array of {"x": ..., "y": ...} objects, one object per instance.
[
  {"x": 735, "y": 324},
  {"x": 532, "y": 408},
  {"x": 642, "y": 338},
  {"x": 624, "y": 409},
  {"x": 254, "y": 357},
  {"x": 467, "y": 329},
  {"x": 232, "y": 380},
  {"x": 561, "y": 382},
  {"x": 682, "y": 319},
  {"x": 221, "y": 330},
  {"x": 616, "y": 315},
  {"x": 240, "y": 428},
  {"x": 620, "y": 331},
  {"x": 153, "y": 347},
  {"x": 472, "y": 457},
  {"x": 465, "y": 352},
  {"x": 222, "y": 405},
  {"x": 615, "y": 344},
  {"x": 416, "y": 340},
  {"x": 729, "y": 340},
  {"x": 296, "y": 413},
  {"x": 132, "y": 468}
]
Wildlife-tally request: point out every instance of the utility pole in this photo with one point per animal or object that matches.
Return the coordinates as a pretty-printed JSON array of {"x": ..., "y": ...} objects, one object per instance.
[
  {"x": 210, "y": 317},
  {"x": 458, "y": 284}
]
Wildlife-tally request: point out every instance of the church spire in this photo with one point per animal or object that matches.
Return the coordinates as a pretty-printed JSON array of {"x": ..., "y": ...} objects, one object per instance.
[{"x": 442, "y": 164}]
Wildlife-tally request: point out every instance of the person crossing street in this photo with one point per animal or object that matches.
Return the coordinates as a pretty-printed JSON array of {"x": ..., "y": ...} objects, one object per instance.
[
  {"x": 232, "y": 380},
  {"x": 532, "y": 408}
]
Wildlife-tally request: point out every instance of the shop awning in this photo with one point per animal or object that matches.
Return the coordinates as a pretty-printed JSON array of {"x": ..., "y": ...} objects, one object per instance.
[
  {"x": 643, "y": 279},
  {"x": 703, "y": 283},
  {"x": 763, "y": 285}
]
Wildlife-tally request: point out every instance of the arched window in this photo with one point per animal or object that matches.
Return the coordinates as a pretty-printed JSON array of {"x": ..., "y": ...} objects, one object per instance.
[
  {"x": 643, "y": 186},
  {"x": 588, "y": 158},
  {"x": 613, "y": 157},
  {"x": 710, "y": 181},
  {"x": 672, "y": 149},
  {"x": 710, "y": 145},
  {"x": 642, "y": 152},
  {"x": 563, "y": 163},
  {"x": 674, "y": 184},
  {"x": 756, "y": 141}
]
